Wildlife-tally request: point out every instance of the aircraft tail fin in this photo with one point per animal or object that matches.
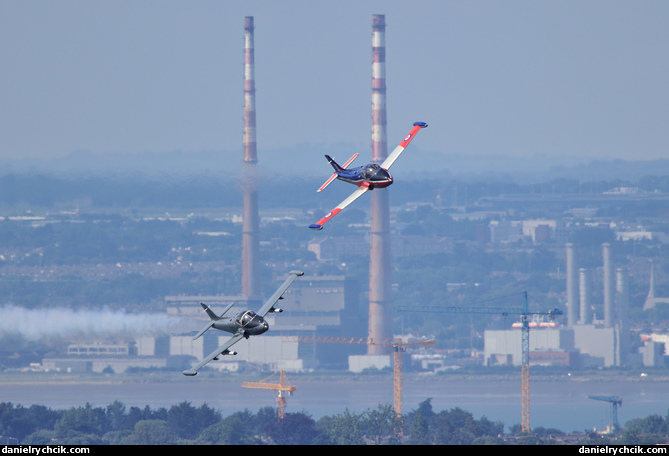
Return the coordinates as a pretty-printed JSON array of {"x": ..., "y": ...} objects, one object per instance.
[
  {"x": 212, "y": 316},
  {"x": 337, "y": 169},
  {"x": 334, "y": 164},
  {"x": 210, "y": 313}
]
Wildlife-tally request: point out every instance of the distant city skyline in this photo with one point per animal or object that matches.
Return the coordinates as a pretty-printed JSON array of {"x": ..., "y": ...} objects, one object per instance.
[{"x": 513, "y": 79}]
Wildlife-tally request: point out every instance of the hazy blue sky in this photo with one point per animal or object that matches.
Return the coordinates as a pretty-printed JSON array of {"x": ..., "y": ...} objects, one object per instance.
[{"x": 519, "y": 78}]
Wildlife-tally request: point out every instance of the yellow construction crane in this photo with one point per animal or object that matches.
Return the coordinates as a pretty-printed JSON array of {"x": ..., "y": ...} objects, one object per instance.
[
  {"x": 281, "y": 388},
  {"x": 398, "y": 347}
]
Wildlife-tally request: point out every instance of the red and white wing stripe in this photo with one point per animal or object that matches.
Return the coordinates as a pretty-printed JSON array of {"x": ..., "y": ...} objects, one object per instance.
[
  {"x": 387, "y": 163},
  {"x": 352, "y": 197}
]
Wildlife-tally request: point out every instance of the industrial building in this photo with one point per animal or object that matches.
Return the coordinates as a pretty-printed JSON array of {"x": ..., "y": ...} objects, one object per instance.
[
  {"x": 538, "y": 231},
  {"x": 582, "y": 340}
]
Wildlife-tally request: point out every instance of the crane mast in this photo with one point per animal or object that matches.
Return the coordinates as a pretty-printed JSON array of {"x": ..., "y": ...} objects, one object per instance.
[
  {"x": 525, "y": 370},
  {"x": 281, "y": 388},
  {"x": 525, "y": 341},
  {"x": 398, "y": 347}
]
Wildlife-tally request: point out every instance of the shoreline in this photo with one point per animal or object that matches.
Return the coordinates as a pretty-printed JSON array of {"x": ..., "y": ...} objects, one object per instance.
[
  {"x": 557, "y": 401},
  {"x": 8, "y": 378}
]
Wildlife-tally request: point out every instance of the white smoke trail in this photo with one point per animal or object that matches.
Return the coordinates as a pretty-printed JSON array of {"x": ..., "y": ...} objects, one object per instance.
[{"x": 37, "y": 324}]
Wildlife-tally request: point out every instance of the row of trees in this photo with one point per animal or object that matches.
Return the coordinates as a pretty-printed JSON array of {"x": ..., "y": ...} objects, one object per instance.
[
  {"x": 184, "y": 423},
  {"x": 187, "y": 424}
]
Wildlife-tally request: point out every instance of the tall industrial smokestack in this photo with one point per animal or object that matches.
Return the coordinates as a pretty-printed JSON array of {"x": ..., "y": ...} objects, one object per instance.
[
  {"x": 250, "y": 229},
  {"x": 585, "y": 283},
  {"x": 572, "y": 286},
  {"x": 380, "y": 303},
  {"x": 250, "y": 152},
  {"x": 622, "y": 310},
  {"x": 379, "y": 119},
  {"x": 609, "y": 286}
]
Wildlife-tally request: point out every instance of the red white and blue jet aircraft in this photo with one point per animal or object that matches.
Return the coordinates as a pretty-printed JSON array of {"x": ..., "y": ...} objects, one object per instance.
[{"x": 366, "y": 177}]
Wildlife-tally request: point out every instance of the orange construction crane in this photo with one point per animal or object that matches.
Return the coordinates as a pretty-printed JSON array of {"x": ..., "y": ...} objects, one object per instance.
[
  {"x": 282, "y": 387},
  {"x": 397, "y": 345}
]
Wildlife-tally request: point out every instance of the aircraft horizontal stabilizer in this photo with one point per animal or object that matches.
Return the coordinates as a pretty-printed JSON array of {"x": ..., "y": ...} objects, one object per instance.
[
  {"x": 203, "y": 330},
  {"x": 327, "y": 182},
  {"x": 337, "y": 169}
]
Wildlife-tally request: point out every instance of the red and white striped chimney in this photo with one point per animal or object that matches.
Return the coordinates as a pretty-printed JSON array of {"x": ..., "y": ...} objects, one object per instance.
[
  {"x": 380, "y": 300},
  {"x": 379, "y": 135},
  {"x": 250, "y": 152},
  {"x": 250, "y": 225}
]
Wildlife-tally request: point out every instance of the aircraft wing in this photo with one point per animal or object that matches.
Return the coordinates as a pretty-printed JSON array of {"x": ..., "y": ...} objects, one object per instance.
[
  {"x": 352, "y": 197},
  {"x": 220, "y": 350},
  {"x": 269, "y": 304},
  {"x": 402, "y": 145}
]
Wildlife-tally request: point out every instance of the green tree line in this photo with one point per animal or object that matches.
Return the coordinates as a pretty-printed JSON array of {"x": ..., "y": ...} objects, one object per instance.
[{"x": 185, "y": 423}]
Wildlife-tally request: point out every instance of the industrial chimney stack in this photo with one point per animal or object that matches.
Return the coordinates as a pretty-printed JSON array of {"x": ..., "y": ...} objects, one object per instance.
[
  {"x": 609, "y": 286},
  {"x": 250, "y": 229},
  {"x": 380, "y": 303},
  {"x": 250, "y": 152},
  {"x": 615, "y": 302},
  {"x": 572, "y": 287},
  {"x": 585, "y": 288},
  {"x": 622, "y": 311}
]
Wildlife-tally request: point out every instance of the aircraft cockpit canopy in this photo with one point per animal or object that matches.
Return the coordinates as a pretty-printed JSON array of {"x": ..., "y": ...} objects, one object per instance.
[
  {"x": 248, "y": 317},
  {"x": 374, "y": 172}
]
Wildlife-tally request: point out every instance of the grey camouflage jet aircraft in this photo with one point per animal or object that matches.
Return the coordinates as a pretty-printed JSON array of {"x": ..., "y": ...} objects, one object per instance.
[{"x": 243, "y": 325}]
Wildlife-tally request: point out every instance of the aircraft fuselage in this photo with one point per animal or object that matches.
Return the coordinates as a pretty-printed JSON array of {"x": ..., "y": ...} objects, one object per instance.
[
  {"x": 371, "y": 175},
  {"x": 248, "y": 321}
]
